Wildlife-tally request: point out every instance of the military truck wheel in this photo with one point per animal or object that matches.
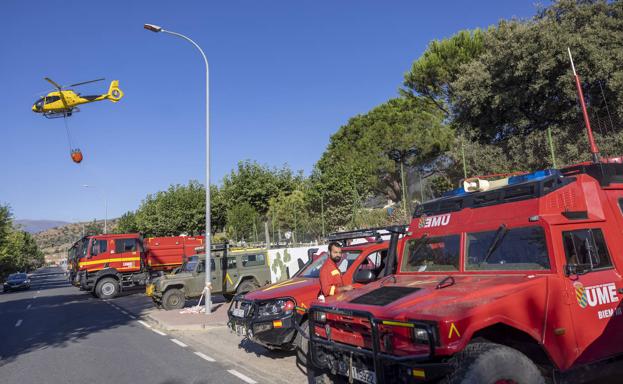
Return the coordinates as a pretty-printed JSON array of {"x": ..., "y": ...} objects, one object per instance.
[
  {"x": 302, "y": 345},
  {"x": 107, "y": 288},
  {"x": 491, "y": 363},
  {"x": 93, "y": 293},
  {"x": 173, "y": 298},
  {"x": 247, "y": 286}
]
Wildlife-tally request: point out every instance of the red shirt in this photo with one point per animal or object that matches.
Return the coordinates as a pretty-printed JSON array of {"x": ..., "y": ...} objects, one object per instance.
[{"x": 330, "y": 278}]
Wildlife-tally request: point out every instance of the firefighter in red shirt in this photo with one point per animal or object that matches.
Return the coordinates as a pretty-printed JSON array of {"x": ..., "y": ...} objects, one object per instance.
[{"x": 330, "y": 277}]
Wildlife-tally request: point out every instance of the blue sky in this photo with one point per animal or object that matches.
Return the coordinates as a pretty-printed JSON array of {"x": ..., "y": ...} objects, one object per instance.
[{"x": 285, "y": 75}]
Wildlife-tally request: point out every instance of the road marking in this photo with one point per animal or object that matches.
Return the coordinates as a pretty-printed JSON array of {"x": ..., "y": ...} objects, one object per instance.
[
  {"x": 241, "y": 376},
  {"x": 19, "y": 322},
  {"x": 28, "y": 307},
  {"x": 176, "y": 341},
  {"x": 205, "y": 357},
  {"x": 159, "y": 332},
  {"x": 144, "y": 324}
]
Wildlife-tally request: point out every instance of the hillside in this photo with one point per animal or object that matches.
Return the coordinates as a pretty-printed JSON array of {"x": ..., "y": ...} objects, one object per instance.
[
  {"x": 55, "y": 242},
  {"x": 36, "y": 226}
]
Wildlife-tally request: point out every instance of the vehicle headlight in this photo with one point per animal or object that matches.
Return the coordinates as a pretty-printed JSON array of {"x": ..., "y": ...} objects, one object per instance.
[
  {"x": 276, "y": 307},
  {"x": 320, "y": 317},
  {"x": 420, "y": 336}
]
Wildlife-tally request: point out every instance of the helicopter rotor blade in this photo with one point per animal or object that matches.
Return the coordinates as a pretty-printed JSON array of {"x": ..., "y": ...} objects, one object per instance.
[
  {"x": 86, "y": 82},
  {"x": 53, "y": 83}
]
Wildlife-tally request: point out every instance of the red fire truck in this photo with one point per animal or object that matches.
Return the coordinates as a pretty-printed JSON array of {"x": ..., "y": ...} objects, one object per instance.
[
  {"x": 106, "y": 264},
  {"x": 518, "y": 280}
]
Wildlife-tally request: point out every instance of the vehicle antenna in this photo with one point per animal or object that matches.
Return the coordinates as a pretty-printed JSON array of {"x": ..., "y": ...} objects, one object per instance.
[
  {"x": 603, "y": 95},
  {"x": 587, "y": 122}
]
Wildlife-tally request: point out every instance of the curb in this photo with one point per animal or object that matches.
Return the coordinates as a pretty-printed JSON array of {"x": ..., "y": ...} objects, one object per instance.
[{"x": 185, "y": 327}]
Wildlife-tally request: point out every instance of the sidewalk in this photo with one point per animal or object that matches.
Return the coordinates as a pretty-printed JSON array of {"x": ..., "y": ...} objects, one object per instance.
[{"x": 185, "y": 320}]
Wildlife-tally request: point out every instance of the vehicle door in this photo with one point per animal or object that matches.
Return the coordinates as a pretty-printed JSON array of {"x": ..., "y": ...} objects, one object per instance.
[
  {"x": 373, "y": 261},
  {"x": 126, "y": 255},
  {"x": 229, "y": 273},
  {"x": 594, "y": 287},
  {"x": 216, "y": 272},
  {"x": 98, "y": 254},
  {"x": 194, "y": 286},
  {"x": 255, "y": 265},
  {"x": 349, "y": 257}
]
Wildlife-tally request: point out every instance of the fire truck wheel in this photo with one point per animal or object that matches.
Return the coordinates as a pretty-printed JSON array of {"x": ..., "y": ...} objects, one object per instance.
[
  {"x": 492, "y": 363},
  {"x": 173, "y": 298},
  {"x": 247, "y": 286},
  {"x": 107, "y": 288},
  {"x": 302, "y": 345},
  {"x": 320, "y": 376}
]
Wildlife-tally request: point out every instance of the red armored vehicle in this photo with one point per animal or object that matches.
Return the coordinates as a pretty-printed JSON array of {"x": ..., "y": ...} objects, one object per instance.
[
  {"x": 108, "y": 263},
  {"x": 272, "y": 316},
  {"x": 507, "y": 285},
  {"x": 517, "y": 280}
]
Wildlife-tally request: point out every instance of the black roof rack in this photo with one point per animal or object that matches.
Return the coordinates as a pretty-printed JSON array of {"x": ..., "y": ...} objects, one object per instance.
[
  {"x": 367, "y": 232},
  {"x": 214, "y": 247}
]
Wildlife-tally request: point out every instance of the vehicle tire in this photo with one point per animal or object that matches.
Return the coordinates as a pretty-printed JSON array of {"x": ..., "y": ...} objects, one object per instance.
[
  {"x": 247, "y": 286},
  {"x": 302, "y": 345},
  {"x": 228, "y": 296},
  {"x": 173, "y": 298},
  {"x": 93, "y": 293},
  {"x": 107, "y": 288},
  {"x": 321, "y": 376},
  {"x": 490, "y": 363}
]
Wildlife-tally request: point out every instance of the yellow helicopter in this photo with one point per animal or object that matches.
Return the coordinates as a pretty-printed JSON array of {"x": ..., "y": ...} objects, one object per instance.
[{"x": 64, "y": 102}]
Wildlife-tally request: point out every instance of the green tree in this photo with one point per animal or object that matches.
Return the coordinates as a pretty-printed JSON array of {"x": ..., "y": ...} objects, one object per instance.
[
  {"x": 256, "y": 184},
  {"x": 522, "y": 82},
  {"x": 127, "y": 223},
  {"x": 242, "y": 221},
  {"x": 433, "y": 73},
  {"x": 357, "y": 164},
  {"x": 179, "y": 209}
]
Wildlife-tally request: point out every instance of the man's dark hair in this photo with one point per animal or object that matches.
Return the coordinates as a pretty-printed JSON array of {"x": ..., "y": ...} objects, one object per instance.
[{"x": 334, "y": 244}]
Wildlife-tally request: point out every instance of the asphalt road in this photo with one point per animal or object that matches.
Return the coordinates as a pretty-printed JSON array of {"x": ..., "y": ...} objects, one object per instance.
[{"x": 54, "y": 333}]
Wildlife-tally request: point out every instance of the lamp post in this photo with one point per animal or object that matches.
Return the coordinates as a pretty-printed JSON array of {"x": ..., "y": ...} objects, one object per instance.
[
  {"x": 208, "y": 240},
  {"x": 105, "y": 206}
]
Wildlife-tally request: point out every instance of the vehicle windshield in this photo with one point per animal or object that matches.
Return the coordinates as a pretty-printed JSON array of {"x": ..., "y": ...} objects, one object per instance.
[
  {"x": 18, "y": 276},
  {"x": 190, "y": 264},
  {"x": 516, "y": 249},
  {"x": 313, "y": 269},
  {"x": 431, "y": 254}
]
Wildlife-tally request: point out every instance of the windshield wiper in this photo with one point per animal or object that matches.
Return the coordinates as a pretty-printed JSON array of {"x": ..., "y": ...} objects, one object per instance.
[
  {"x": 423, "y": 241},
  {"x": 497, "y": 240}
]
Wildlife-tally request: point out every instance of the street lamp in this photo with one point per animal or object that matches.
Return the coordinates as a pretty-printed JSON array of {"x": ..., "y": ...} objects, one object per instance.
[
  {"x": 208, "y": 241},
  {"x": 105, "y": 206}
]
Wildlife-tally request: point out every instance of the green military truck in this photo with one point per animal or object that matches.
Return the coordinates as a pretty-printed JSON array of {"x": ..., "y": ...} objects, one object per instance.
[{"x": 234, "y": 271}]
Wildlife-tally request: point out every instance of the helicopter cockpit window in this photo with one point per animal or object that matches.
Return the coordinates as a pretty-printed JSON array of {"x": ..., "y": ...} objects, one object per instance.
[{"x": 51, "y": 99}]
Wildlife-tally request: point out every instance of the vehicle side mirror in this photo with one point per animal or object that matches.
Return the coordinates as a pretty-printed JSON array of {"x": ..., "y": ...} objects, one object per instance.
[
  {"x": 364, "y": 276},
  {"x": 576, "y": 269}
]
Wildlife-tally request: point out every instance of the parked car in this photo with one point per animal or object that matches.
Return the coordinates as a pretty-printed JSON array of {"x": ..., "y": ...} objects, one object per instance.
[{"x": 16, "y": 281}]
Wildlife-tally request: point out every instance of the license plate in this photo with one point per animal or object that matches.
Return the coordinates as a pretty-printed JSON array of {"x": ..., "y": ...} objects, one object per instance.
[
  {"x": 240, "y": 330},
  {"x": 238, "y": 312},
  {"x": 363, "y": 375}
]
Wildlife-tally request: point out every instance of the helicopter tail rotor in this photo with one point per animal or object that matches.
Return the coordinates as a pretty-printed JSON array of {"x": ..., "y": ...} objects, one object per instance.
[{"x": 114, "y": 93}]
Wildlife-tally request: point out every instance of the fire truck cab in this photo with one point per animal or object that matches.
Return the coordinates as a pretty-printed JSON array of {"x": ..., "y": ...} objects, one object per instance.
[{"x": 519, "y": 283}]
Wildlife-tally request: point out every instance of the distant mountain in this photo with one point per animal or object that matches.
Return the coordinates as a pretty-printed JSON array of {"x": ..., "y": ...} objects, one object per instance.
[{"x": 36, "y": 226}]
